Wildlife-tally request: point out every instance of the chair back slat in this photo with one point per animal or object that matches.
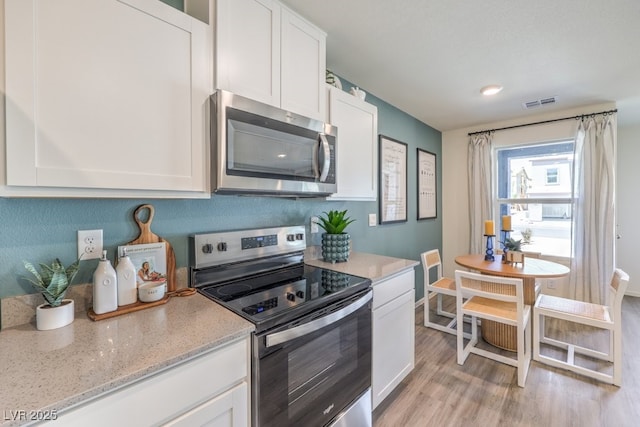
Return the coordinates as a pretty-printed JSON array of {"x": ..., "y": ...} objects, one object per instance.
[
  {"x": 431, "y": 259},
  {"x": 499, "y": 288},
  {"x": 617, "y": 288}
]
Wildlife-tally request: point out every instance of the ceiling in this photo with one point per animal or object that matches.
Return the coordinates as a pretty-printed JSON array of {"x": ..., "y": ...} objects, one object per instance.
[{"x": 430, "y": 58}]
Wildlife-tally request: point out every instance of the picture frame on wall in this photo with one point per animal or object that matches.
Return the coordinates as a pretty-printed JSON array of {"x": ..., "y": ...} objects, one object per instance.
[
  {"x": 392, "y": 180},
  {"x": 427, "y": 185}
]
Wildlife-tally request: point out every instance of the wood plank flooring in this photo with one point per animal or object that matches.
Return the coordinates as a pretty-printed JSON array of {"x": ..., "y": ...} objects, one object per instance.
[{"x": 483, "y": 392}]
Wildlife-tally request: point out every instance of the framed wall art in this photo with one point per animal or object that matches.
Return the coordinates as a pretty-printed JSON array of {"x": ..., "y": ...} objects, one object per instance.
[
  {"x": 427, "y": 189},
  {"x": 392, "y": 180}
]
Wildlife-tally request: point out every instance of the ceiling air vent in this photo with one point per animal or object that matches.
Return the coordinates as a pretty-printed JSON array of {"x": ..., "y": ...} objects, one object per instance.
[{"x": 539, "y": 102}]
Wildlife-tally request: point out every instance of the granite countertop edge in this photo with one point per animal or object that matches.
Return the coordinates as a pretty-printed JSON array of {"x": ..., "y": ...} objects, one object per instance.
[{"x": 84, "y": 360}]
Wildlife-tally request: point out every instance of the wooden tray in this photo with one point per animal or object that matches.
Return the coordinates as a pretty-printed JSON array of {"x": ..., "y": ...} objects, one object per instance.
[
  {"x": 126, "y": 309},
  {"x": 137, "y": 306},
  {"x": 147, "y": 236}
]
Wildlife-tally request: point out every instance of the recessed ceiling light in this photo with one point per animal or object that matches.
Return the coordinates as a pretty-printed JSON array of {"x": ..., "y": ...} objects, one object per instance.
[{"x": 490, "y": 90}]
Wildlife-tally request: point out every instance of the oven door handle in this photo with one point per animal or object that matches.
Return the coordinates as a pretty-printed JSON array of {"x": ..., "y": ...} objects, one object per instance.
[{"x": 307, "y": 328}]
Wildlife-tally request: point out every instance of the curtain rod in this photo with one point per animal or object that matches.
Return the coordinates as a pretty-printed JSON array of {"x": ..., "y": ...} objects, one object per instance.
[{"x": 581, "y": 116}]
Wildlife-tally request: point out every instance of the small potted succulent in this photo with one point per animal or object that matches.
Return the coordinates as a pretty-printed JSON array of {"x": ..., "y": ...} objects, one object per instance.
[
  {"x": 53, "y": 281},
  {"x": 335, "y": 242},
  {"x": 512, "y": 251}
]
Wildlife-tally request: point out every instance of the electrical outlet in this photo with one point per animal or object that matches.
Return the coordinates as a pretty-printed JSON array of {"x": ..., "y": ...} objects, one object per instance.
[
  {"x": 373, "y": 220},
  {"x": 89, "y": 244},
  {"x": 314, "y": 225}
]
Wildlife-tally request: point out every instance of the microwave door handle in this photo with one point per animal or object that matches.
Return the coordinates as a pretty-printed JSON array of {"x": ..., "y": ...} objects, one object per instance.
[
  {"x": 326, "y": 157},
  {"x": 316, "y": 158},
  {"x": 307, "y": 328}
]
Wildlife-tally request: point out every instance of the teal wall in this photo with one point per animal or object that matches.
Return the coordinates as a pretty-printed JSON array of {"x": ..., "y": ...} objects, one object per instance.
[{"x": 39, "y": 230}]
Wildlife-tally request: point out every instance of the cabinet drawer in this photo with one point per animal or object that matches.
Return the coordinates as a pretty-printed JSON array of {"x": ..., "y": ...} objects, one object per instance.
[
  {"x": 228, "y": 409},
  {"x": 388, "y": 289},
  {"x": 168, "y": 394}
]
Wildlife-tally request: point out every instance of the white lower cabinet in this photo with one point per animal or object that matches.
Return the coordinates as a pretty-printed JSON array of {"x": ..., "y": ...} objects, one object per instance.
[
  {"x": 211, "y": 389},
  {"x": 227, "y": 410},
  {"x": 393, "y": 333}
]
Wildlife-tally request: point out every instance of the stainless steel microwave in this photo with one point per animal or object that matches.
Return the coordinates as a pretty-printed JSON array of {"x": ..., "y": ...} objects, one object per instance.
[{"x": 263, "y": 150}]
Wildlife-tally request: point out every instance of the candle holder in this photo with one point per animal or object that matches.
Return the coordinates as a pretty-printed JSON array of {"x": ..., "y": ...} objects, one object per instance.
[
  {"x": 489, "y": 252},
  {"x": 505, "y": 236}
]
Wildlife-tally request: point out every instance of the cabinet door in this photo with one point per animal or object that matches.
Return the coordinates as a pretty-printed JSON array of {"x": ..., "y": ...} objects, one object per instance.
[
  {"x": 227, "y": 410},
  {"x": 106, "y": 95},
  {"x": 179, "y": 390},
  {"x": 393, "y": 345},
  {"x": 248, "y": 49},
  {"x": 303, "y": 64},
  {"x": 357, "y": 123}
]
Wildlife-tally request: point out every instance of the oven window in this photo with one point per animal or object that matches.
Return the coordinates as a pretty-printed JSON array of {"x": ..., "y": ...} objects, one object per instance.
[
  {"x": 311, "y": 379},
  {"x": 311, "y": 373}
]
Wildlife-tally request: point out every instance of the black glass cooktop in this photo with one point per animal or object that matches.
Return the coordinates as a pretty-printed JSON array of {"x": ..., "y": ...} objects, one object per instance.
[{"x": 286, "y": 293}]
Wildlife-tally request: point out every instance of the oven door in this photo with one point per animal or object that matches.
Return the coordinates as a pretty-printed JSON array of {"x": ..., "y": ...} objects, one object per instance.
[{"x": 306, "y": 373}]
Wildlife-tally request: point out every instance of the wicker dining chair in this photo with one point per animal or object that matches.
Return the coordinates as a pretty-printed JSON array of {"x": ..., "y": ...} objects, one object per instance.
[
  {"x": 605, "y": 317},
  {"x": 499, "y": 299},
  {"x": 440, "y": 286}
]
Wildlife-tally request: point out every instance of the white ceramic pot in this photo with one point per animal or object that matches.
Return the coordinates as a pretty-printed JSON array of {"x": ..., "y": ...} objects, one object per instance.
[
  {"x": 152, "y": 291},
  {"x": 48, "y": 317}
]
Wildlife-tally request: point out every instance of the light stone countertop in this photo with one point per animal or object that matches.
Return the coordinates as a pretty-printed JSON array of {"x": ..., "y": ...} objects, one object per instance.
[
  {"x": 53, "y": 370},
  {"x": 370, "y": 266}
]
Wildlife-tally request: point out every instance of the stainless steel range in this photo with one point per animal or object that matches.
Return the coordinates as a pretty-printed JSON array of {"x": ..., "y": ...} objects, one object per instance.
[{"x": 311, "y": 352}]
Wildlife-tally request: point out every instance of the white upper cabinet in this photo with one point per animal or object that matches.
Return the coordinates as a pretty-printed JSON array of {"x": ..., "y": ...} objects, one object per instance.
[
  {"x": 248, "y": 49},
  {"x": 303, "y": 67},
  {"x": 357, "y": 154},
  {"x": 266, "y": 52},
  {"x": 106, "y": 97}
]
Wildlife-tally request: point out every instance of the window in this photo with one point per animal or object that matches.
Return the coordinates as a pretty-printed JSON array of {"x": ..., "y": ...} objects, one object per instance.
[
  {"x": 535, "y": 188},
  {"x": 552, "y": 176}
]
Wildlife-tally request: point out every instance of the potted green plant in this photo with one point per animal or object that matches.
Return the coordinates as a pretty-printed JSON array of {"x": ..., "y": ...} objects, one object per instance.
[
  {"x": 335, "y": 242},
  {"x": 53, "y": 281},
  {"x": 512, "y": 251}
]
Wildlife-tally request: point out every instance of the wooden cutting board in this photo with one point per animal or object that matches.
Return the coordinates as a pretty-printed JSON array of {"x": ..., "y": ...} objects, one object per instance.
[{"x": 147, "y": 236}]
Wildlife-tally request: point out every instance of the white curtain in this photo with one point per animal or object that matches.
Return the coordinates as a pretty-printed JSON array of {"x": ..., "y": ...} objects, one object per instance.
[
  {"x": 480, "y": 189},
  {"x": 593, "y": 227}
]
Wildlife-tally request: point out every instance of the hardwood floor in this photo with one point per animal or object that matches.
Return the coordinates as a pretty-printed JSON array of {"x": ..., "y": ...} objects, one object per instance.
[{"x": 483, "y": 392}]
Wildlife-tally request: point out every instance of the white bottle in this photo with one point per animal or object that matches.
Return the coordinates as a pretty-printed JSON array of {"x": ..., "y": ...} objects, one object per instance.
[
  {"x": 127, "y": 286},
  {"x": 105, "y": 287}
]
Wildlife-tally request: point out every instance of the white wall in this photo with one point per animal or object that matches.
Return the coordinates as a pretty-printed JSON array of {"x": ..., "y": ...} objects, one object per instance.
[
  {"x": 455, "y": 205},
  {"x": 628, "y": 205}
]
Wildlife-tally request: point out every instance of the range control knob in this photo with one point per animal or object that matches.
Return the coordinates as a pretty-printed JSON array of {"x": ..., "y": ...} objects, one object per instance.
[
  {"x": 300, "y": 294},
  {"x": 291, "y": 237},
  {"x": 222, "y": 246},
  {"x": 290, "y": 296},
  {"x": 208, "y": 248}
]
